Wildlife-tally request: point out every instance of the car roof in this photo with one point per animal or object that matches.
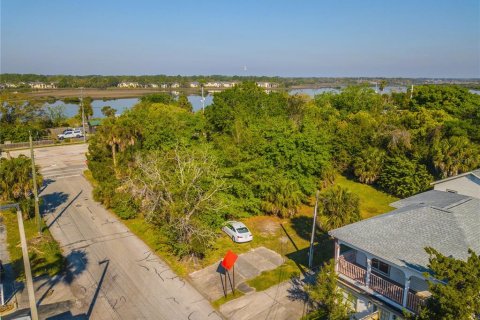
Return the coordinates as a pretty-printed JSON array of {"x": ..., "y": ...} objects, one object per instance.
[{"x": 237, "y": 224}]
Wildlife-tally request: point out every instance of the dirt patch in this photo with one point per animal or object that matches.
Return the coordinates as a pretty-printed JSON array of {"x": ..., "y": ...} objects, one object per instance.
[{"x": 265, "y": 225}]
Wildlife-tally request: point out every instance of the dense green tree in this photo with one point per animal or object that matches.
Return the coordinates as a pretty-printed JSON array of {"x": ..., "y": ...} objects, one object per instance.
[
  {"x": 327, "y": 296},
  {"x": 457, "y": 294},
  {"x": 455, "y": 155},
  {"x": 338, "y": 207},
  {"x": 108, "y": 111},
  {"x": 16, "y": 182},
  {"x": 56, "y": 115},
  {"x": 86, "y": 104},
  {"x": 184, "y": 103},
  {"x": 368, "y": 165},
  {"x": 403, "y": 177}
]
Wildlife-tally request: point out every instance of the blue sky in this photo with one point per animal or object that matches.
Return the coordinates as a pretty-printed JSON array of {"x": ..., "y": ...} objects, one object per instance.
[{"x": 363, "y": 38}]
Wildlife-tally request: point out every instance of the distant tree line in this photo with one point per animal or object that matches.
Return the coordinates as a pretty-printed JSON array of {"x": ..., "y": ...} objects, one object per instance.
[{"x": 103, "y": 82}]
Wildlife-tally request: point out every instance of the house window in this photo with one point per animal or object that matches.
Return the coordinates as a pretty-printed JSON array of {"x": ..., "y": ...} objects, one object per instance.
[{"x": 380, "y": 266}]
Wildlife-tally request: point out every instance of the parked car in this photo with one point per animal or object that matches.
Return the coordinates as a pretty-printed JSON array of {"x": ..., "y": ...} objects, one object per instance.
[
  {"x": 70, "y": 133},
  {"x": 237, "y": 231}
]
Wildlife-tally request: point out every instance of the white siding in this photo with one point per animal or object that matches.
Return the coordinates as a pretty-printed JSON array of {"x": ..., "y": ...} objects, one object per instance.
[{"x": 468, "y": 185}]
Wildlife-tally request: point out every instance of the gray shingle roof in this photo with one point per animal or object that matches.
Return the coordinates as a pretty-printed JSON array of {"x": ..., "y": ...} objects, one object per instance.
[
  {"x": 448, "y": 222},
  {"x": 475, "y": 172}
]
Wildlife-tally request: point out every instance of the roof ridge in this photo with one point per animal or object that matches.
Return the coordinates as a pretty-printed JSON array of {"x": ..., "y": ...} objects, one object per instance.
[
  {"x": 440, "y": 209},
  {"x": 455, "y": 204}
]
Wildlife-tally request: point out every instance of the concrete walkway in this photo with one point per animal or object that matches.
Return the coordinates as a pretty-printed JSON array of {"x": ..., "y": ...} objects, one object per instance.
[
  {"x": 285, "y": 301},
  {"x": 248, "y": 266}
]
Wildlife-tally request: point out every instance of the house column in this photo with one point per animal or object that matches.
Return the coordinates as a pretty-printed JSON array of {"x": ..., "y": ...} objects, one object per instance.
[
  {"x": 405, "y": 291},
  {"x": 369, "y": 271},
  {"x": 336, "y": 254}
]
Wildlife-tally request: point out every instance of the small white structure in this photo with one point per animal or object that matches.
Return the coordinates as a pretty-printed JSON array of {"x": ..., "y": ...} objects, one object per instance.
[
  {"x": 467, "y": 183},
  {"x": 194, "y": 84},
  {"x": 153, "y": 85},
  {"x": 175, "y": 85}
]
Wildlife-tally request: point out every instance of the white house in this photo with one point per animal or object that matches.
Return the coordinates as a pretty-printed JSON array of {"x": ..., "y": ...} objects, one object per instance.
[
  {"x": 213, "y": 84},
  {"x": 267, "y": 85},
  {"x": 128, "y": 84},
  {"x": 228, "y": 84},
  {"x": 164, "y": 86},
  {"x": 467, "y": 183},
  {"x": 175, "y": 85},
  {"x": 153, "y": 85},
  {"x": 41, "y": 85},
  {"x": 194, "y": 84},
  {"x": 380, "y": 261}
]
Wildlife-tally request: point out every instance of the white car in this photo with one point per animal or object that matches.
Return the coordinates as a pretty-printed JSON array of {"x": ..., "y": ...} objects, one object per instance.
[
  {"x": 70, "y": 133},
  {"x": 237, "y": 231}
]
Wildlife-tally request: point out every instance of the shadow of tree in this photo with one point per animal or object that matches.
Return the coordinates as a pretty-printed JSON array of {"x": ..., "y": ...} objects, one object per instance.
[
  {"x": 51, "y": 201},
  {"x": 75, "y": 264},
  {"x": 46, "y": 182},
  {"x": 303, "y": 227}
]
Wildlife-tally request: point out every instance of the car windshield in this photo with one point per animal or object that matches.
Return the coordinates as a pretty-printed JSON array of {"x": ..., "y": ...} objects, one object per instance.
[{"x": 242, "y": 230}]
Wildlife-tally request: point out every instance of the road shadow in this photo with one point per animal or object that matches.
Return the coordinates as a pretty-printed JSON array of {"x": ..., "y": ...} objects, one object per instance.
[
  {"x": 46, "y": 183},
  {"x": 75, "y": 264},
  {"x": 105, "y": 262},
  {"x": 54, "y": 201},
  {"x": 51, "y": 201}
]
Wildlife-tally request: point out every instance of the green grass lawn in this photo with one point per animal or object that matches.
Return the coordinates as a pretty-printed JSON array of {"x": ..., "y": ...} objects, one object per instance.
[
  {"x": 372, "y": 201},
  {"x": 44, "y": 252}
]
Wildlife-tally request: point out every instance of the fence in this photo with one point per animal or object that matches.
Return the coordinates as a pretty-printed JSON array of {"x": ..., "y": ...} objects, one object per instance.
[{"x": 38, "y": 143}]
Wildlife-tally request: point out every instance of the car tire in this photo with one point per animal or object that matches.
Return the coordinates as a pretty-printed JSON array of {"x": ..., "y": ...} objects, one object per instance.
[{"x": 233, "y": 239}]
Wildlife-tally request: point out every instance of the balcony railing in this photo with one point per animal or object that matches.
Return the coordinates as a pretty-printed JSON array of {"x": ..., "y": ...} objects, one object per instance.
[
  {"x": 413, "y": 302},
  {"x": 351, "y": 270},
  {"x": 386, "y": 288}
]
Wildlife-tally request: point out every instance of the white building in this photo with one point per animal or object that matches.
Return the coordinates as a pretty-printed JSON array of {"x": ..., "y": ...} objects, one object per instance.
[
  {"x": 175, "y": 85},
  {"x": 194, "y": 84},
  {"x": 41, "y": 85},
  {"x": 128, "y": 84},
  {"x": 381, "y": 261}
]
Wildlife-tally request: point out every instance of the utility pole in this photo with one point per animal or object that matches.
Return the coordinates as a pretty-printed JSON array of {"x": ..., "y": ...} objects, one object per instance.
[
  {"x": 83, "y": 116},
  {"x": 310, "y": 253},
  {"x": 26, "y": 260},
  {"x": 35, "y": 191},
  {"x": 203, "y": 102}
]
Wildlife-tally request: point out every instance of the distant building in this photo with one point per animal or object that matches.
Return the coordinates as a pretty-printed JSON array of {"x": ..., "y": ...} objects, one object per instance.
[
  {"x": 41, "y": 85},
  {"x": 128, "y": 84},
  {"x": 175, "y": 85},
  {"x": 267, "y": 85},
  {"x": 153, "y": 85},
  {"x": 164, "y": 86},
  {"x": 228, "y": 84},
  {"x": 194, "y": 84},
  {"x": 213, "y": 84}
]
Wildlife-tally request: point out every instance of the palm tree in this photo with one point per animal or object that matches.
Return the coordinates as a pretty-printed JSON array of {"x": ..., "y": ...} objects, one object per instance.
[
  {"x": 118, "y": 133},
  {"x": 368, "y": 165},
  {"x": 455, "y": 155},
  {"x": 339, "y": 207},
  {"x": 16, "y": 182},
  {"x": 282, "y": 198}
]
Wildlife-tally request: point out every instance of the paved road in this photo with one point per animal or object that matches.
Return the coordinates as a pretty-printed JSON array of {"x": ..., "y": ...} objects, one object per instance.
[{"x": 111, "y": 273}]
